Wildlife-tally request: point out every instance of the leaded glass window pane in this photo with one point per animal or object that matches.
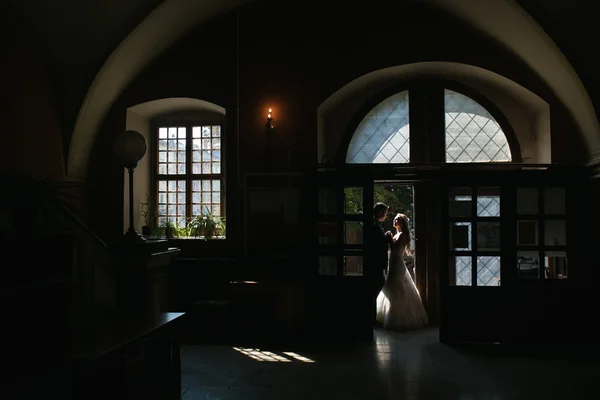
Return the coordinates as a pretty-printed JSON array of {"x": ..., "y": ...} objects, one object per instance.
[
  {"x": 488, "y": 271},
  {"x": 382, "y": 137},
  {"x": 472, "y": 134}
]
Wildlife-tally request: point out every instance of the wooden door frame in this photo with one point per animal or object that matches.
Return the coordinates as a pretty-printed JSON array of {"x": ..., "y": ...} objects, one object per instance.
[
  {"x": 433, "y": 178},
  {"x": 426, "y": 189}
]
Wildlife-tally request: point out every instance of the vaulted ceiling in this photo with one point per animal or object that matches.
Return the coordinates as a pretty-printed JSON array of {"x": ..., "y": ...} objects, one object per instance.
[
  {"x": 575, "y": 28},
  {"x": 75, "y": 38}
]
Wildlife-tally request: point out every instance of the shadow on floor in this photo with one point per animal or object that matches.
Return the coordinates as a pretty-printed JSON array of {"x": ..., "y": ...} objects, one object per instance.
[{"x": 411, "y": 365}]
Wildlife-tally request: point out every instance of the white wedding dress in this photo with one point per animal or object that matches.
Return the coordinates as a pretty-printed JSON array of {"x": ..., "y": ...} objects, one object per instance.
[{"x": 399, "y": 306}]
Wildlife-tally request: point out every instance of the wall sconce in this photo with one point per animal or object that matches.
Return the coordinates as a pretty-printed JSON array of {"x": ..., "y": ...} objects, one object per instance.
[{"x": 270, "y": 127}]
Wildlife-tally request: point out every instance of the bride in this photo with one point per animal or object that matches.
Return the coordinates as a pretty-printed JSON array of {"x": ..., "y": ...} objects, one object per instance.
[{"x": 399, "y": 305}]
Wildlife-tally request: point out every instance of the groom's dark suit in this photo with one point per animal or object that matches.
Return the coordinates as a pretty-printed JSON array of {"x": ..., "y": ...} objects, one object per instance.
[{"x": 376, "y": 261}]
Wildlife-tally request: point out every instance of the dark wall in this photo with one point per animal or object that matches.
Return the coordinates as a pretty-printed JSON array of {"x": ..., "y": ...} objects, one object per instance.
[
  {"x": 31, "y": 140},
  {"x": 291, "y": 58}
]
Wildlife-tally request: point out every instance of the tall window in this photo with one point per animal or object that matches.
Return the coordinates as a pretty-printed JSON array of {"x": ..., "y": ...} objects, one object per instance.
[
  {"x": 472, "y": 134},
  {"x": 188, "y": 173},
  {"x": 383, "y": 135}
]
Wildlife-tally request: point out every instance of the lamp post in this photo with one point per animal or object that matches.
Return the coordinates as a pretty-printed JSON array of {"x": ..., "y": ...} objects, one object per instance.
[{"x": 130, "y": 147}]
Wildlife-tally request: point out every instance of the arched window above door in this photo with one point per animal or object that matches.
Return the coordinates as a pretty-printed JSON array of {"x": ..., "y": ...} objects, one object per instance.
[
  {"x": 470, "y": 128},
  {"x": 382, "y": 137},
  {"x": 472, "y": 133}
]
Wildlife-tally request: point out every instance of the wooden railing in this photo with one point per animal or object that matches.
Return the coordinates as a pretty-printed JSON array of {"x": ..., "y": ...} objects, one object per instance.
[
  {"x": 94, "y": 278},
  {"x": 37, "y": 207}
]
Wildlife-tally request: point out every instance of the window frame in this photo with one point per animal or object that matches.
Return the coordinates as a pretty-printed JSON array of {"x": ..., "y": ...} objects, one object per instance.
[
  {"x": 495, "y": 112},
  {"x": 412, "y": 87},
  {"x": 427, "y": 122},
  {"x": 475, "y": 220},
  {"x": 188, "y": 122},
  {"x": 377, "y": 102}
]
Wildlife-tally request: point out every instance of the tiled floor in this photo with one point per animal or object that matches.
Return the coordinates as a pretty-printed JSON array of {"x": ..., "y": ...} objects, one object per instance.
[{"x": 396, "y": 366}]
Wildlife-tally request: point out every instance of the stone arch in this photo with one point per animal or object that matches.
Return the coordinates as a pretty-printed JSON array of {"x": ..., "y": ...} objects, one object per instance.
[
  {"x": 523, "y": 115},
  {"x": 172, "y": 19}
]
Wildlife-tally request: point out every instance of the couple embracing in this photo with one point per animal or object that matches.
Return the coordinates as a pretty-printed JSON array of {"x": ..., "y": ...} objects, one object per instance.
[{"x": 396, "y": 304}]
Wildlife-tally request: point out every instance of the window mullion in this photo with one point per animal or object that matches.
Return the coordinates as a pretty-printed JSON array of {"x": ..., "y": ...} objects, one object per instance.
[
  {"x": 187, "y": 174},
  {"x": 188, "y": 170}
]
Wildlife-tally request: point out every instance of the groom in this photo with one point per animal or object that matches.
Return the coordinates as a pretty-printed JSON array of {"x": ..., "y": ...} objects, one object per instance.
[{"x": 376, "y": 252}]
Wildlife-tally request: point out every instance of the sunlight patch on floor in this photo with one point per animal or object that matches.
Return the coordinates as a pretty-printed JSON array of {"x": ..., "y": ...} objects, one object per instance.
[
  {"x": 298, "y": 357},
  {"x": 261, "y": 355}
]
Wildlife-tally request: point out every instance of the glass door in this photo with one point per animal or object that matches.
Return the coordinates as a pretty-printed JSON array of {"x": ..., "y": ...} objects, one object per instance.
[
  {"x": 343, "y": 213},
  {"x": 475, "y": 247},
  {"x": 355, "y": 217},
  {"x": 474, "y": 236},
  {"x": 541, "y": 236},
  {"x": 342, "y": 291}
]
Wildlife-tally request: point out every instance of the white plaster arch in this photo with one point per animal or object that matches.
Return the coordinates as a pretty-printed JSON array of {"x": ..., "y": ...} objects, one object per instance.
[
  {"x": 528, "y": 114},
  {"x": 155, "y": 108},
  {"x": 507, "y": 22},
  {"x": 139, "y": 118},
  {"x": 170, "y": 21},
  {"x": 174, "y": 18}
]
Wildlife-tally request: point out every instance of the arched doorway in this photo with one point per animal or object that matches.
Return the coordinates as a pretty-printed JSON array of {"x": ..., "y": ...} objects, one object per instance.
[{"x": 456, "y": 149}]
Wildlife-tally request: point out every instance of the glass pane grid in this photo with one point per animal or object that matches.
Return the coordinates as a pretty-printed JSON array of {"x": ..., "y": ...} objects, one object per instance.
[
  {"x": 353, "y": 265},
  {"x": 488, "y": 206},
  {"x": 527, "y": 201},
  {"x": 327, "y": 200},
  {"x": 383, "y": 137},
  {"x": 172, "y": 146},
  {"x": 327, "y": 233},
  {"x": 172, "y": 203},
  {"x": 555, "y": 265},
  {"x": 488, "y": 236},
  {"x": 460, "y": 206},
  {"x": 554, "y": 200},
  {"x": 206, "y": 149},
  {"x": 206, "y": 197},
  {"x": 353, "y": 232},
  {"x": 328, "y": 265},
  {"x": 555, "y": 232},
  {"x": 463, "y": 270},
  {"x": 472, "y": 134},
  {"x": 353, "y": 200},
  {"x": 528, "y": 264},
  {"x": 488, "y": 271},
  {"x": 468, "y": 232}
]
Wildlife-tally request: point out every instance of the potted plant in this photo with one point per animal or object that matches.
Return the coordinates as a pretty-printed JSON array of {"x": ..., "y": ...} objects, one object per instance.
[
  {"x": 170, "y": 229},
  {"x": 196, "y": 225},
  {"x": 147, "y": 212},
  {"x": 157, "y": 232},
  {"x": 221, "y": 226},
  {"x": 207, "y": 225},
  {"x": 210, "y": 226}
]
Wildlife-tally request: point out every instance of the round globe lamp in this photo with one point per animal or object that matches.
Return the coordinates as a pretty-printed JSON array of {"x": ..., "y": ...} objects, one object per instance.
[{"x": 130, "y": 147}]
